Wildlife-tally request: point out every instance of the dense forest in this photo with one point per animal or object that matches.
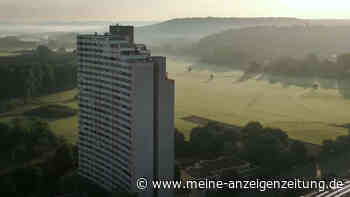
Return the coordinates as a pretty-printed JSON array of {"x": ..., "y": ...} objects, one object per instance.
[
  {"x": 264, "y": 147},
  {"x": 36, "y": 162},
  {"x": 311, "y": 66},
  {"x": 237, "y": 47},
  {"x": 308, "y": 66},
  {"x": 40, "y": 72},
  {"x": 271, "y": 149},
  {"x": 25, "y": 142}
]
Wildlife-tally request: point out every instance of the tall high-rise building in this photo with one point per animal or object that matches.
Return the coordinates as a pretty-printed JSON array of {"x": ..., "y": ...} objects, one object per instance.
[{"x": 126, "y": 112}]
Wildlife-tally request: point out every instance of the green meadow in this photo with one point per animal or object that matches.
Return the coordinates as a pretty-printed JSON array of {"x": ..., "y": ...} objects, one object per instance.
[
  {"x": 305, "y": 114},
  {"x": 6, "y": 53},
  {"x": 67, "y": 127}
]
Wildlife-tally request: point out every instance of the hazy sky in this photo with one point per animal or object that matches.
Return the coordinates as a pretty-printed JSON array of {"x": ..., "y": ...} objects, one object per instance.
[{"x": 166, "y": 9}]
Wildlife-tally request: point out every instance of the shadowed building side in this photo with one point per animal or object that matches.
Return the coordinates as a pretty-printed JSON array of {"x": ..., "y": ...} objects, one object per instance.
[{"x": 126, "y": 113}]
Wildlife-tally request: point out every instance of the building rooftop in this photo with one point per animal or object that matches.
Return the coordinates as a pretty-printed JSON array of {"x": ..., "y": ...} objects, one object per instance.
[{"x": 124, "y": 49}]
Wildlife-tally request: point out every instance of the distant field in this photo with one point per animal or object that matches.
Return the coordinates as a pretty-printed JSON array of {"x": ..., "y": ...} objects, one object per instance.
[
  {"x": 6, "y": 54},
  {"x": 303, "y": 113},
  {"x": 67, "y": 127}
]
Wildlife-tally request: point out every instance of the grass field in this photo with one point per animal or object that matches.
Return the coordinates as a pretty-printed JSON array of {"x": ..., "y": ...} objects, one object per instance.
[
  {"x": 67, "y": 127},
  {"x": 304, "y": 114},
  {"x": 6, "y": 53}
]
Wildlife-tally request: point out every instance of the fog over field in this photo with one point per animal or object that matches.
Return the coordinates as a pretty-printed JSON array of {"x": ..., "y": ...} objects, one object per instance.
[
  {"x": 211, "y": 46},
  {"x": 254, "y": 90},
  {"x": 20, "y": 28},
  {"x": 255, "y": 97},
  {"x": 306, "y": 114}
]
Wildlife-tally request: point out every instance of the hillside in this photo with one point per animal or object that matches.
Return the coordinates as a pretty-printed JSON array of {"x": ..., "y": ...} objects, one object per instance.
[
  {"x": 265, "y": 43},
  {"x": 179, "y": 30},
  {"x": 192, "y": 29},
  {"x": 12, "y": 42},
  {"x": 66, "y": 40}
]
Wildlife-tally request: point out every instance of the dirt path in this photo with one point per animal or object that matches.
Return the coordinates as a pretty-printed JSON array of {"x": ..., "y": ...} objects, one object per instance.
[
  {"x": 204, "y": 121},
  {"x": 35, "y": 103}
]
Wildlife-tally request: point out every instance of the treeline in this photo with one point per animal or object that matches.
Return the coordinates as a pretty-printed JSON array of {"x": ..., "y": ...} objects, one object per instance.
[
  {"x": 238, "y": 47},
  {"x": 276, "y": 155},
  {"x": 33, "y": 158},
  {"x": 52, "y": 111},
  {"x": 193, "y": 29},
  {"x": 36, "y": 162},
  {"x": 40, "y": 72},
  {"x": 336, "y": 147},
  {"x": 270, "y": 149},
  {"x": 22, "y": 140},
  {"x": 309, "y": 66}
]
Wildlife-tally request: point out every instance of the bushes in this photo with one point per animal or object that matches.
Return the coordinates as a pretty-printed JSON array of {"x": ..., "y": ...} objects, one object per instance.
[
  {"x": 42, "y": 179},
  {"x": 269, "y": 148},
  {"x": 25, "y": 139},
  {"x": 52, "y": 112},
  {"x": 9, "y": 105}
]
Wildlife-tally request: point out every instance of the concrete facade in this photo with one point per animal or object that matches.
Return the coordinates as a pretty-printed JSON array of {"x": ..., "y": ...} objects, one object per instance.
[{"x": 126, "y": 112}]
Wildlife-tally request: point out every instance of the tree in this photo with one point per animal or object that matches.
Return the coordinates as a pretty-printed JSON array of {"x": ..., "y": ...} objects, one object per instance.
[
  {"x": 49, "y": 80},
  {"x": 344, "y": 61},
  {"x": 278, "y": 133},
  {"x": 298, "y": 152},
  {"x": 124, "y": 194},
  {"x": 328, "y": 147},
  {"x": 61, "y": 50},
  {"x": 43, "y": 52},
  {"x": 28, "y": 180},
  {"x": 204, "y": 142},
  {"x": 179, "y": 137},
  {"x": 251, "y": 129},
  {"x": 8, "y": 186},
  {"x": 177, "y": 173},
  {"x": 5, "y": 133},
  {"x": 40, "y": 72},
  {"x": 63, "y": 159},
  {"x": 17, "y": 151},
  {"x": 266, "y": 147},
  {"x": 181, "y": 146},
  {"x": 253, "y": 68}
]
